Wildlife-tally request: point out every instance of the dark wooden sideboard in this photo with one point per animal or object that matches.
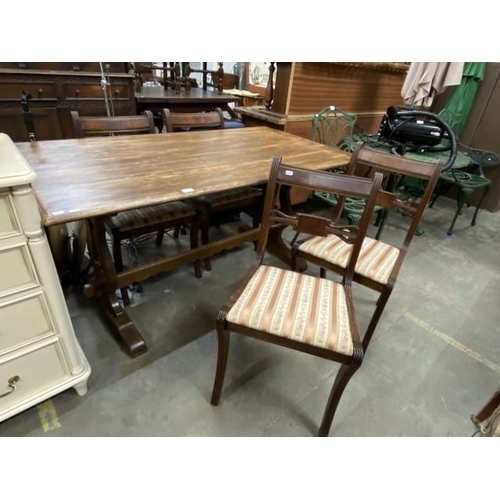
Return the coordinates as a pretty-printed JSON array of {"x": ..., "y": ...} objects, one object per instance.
[{"x": 57, "y": 89}]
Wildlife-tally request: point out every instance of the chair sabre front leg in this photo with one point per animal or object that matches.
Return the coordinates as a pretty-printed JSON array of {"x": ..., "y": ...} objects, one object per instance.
[
  {"x": 222, "y": 355},
  {"x": 343, "y": 376}
]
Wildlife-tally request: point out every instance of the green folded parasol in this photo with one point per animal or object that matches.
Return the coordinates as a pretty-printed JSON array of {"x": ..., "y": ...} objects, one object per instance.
[{"x": 460, "y": 103}]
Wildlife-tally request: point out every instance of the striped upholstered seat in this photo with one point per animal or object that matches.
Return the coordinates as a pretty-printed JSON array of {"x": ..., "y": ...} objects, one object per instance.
[
  {"x": 303, "y": 308},
  {"x": 376, "y": 259},
  {"x": 164, "y": 213}
]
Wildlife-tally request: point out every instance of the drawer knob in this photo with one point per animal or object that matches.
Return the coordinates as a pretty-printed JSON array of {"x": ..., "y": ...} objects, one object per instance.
[
  {"x": 40, "y": 92},
  {"x": 77, "y": 92},
  {"x": 12, "y": 385}
]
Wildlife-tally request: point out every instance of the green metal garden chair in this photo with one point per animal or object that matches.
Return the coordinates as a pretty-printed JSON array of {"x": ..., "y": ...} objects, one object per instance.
[
  {"x": 467, "y": 181},
  {"x": 335, "y": 128}
]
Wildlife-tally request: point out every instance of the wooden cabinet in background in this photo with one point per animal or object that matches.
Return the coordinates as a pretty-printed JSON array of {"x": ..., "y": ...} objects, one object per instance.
[
  {"x": 303, "y": 88},
  {"x": 56, "y": 90}
]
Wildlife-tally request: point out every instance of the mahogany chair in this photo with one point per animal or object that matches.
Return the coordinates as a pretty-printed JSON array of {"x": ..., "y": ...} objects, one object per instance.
[
  {"x": 248, "y": 199},
  {"x": 133, "y": 223},
  {"x": 379, "y": 263},
  {"x": 290, "y": 309}
]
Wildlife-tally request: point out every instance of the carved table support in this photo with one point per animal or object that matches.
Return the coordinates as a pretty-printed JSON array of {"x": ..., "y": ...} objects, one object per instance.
[{"x": 104, "y": 288}]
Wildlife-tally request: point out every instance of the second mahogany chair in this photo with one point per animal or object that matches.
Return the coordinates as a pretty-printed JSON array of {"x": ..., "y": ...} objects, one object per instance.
[
  {"x": 379, "y": 263},
  {"x": 293, "y": 310},
  {"x": 133, "y": 223},
  {"x": 246, "y": 198}
]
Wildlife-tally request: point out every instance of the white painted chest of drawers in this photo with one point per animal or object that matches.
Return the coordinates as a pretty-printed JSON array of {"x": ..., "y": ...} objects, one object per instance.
[{"x": 39, "y": 353}]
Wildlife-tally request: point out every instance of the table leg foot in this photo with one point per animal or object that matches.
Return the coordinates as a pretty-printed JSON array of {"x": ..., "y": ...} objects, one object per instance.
[{"x": 123, "y": 327}]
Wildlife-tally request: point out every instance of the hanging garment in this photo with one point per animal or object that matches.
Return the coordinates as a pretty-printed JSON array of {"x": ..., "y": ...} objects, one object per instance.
[{"x": 425, "y": 80}]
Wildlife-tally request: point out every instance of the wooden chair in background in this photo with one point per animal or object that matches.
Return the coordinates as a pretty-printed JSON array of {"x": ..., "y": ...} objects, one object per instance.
[
  {"x": 229, "y": 81},
  {"x": 133, "y": 223},
  {"x": 185, "y": 122},
  {"x": 379, "y": 263},
  {"x": 304, "y": 313},
  {"x": 246, "y": 198},
  {"x": 87, "y": 126}
]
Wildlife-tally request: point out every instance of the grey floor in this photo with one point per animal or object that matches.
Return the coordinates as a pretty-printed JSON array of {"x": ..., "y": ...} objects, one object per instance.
[{"x": 434, "y": 359}]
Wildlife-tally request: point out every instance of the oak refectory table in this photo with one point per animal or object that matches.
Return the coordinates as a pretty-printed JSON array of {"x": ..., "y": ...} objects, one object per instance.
[{"x": 91, "y": 178}]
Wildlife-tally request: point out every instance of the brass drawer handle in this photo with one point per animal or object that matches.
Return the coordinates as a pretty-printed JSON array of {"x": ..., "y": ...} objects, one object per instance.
[{"x": 12, "y": 385}]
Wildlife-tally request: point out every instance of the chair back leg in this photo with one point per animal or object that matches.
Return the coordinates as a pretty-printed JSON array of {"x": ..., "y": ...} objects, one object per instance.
[{"x": 379, "y": 309}]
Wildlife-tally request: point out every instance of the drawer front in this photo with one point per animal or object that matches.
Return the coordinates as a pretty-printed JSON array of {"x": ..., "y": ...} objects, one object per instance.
[
  {"x": 30, "y": 373},
  {"x": 24, "y": 320},
  {"x": 12, "y": 91},
  {"x": 18, "y": 270},
  {"x": 9, "y": 225},
  {"x": 93, "y": 91}
]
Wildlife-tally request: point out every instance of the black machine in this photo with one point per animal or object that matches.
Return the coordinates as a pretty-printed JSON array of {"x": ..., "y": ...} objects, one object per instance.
[{"x": 407, "y": 129}]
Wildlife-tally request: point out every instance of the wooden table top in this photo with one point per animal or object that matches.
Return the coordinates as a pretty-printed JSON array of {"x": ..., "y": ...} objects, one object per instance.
[
  {"x": 82, "y": 178},
  {"x": 160, "y": 95}
]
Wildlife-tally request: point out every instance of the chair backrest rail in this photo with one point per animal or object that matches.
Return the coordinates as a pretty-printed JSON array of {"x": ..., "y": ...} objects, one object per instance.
[
  {"x": 210, "y": 119},
  {"x": 101, "y": 125},
  {"x": 324, "y": 181},
  {"x": 390, "y": 163}
]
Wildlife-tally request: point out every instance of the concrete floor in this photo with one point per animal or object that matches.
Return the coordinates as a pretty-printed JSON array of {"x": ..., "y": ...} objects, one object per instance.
[{"x": 434, "y": 359}]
